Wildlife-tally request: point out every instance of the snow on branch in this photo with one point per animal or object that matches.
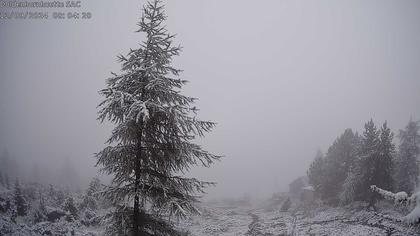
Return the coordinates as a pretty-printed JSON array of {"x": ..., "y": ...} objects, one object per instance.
[{"x": 401, "y": 198}]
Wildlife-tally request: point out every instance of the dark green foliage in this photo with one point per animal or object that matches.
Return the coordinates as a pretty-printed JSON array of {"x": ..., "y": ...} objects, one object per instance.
[{"x": 407, "y": 163}]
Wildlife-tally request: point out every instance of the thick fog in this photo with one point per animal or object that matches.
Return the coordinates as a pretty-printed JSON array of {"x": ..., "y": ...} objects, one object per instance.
[{"x": 281, "y": 78}]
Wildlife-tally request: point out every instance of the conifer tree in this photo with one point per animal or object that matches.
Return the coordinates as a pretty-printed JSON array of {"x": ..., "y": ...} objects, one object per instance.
[
  {"x": 151, "y": 146},
  {"x": 94, "y": 187},
  {"x": 407, "y": 165},
  {"x": 376, "y": 167},
  {"x": 338, "y": 161},
  {"x": 352, "y": 181},
  {"x": 20, "y": 201},
  {"x": 40, "y": 213},
  {"x": 51, "y": 191},
  {"x": 353, "y": 176},
  {"x": 316, "y": 174},
  {"x": 368, "y": 156},
  {"x": 91, "y": 197},
  {"x": 385, "y": 163},
  {"x": 70, "y": 207}
]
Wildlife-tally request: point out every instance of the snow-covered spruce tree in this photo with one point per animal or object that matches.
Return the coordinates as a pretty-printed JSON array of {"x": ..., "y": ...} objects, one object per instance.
[
  {"x": 385, "y": 163},
  {"x": 407, "y": 163},
  {"x": 40, "y": 213},
  {"x": 376, "y": 163},
  {"x": 353, "y": 175},
  {"x": 338, "y": 161},
  {"x": 151, "y": 146},
  {"x": 368, "y": 156},
  {"x": 70, "y": 208},
  {"x": 20, "y": 201},
  {"x": 316, "y": 174},
  {"x": 90, "y": 198},
  {"x": 352, "y": 181},
  {"x": 94, "y": 187}
]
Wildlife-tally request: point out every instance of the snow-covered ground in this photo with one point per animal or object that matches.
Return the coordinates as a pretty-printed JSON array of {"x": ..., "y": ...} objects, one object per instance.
[
  {"x": 228, "y": 218},
  {"x": 253, "y": 221},
  {"x": 53, "y": 220}
]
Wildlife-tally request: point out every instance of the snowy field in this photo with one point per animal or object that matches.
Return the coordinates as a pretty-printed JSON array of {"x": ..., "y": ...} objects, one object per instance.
[
  {"x": 229, "y": 218},
  {"x": 253, "y": 221}
]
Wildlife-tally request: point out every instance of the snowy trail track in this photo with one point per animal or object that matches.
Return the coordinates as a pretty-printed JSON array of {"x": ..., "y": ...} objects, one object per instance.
[{"x": 328, "y": 221}]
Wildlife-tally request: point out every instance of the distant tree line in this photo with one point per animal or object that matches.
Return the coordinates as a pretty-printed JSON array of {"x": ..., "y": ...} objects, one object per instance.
[
  {"x": 13, "y": 167},
  {"x": 355, "y": 162},
  {"x": 8, "y": 169}
]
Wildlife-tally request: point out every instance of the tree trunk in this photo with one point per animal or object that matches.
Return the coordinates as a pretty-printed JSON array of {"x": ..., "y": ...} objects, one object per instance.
[{"x": 136, "y": 215}]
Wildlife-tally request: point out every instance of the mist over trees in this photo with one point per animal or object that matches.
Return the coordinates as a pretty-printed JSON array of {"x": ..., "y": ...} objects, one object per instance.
[
  {"x": 281, "y": 77},
  {"x": 65, "y": 174},
  {"x": 355, "y": 162},
  {"x": 9, "y": 168},
  {"x": 407, "y": 163}
]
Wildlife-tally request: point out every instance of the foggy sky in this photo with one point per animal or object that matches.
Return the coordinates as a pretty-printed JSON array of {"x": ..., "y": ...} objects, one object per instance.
[{"x": 281, "y": 79}]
